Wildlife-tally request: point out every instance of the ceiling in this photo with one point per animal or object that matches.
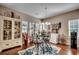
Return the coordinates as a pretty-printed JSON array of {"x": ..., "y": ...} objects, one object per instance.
[{"x": 38, "y": 9}]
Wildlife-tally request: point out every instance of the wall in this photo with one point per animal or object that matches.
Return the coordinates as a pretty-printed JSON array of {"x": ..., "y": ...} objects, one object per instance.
[
  {"x": 23, "y": 16},
  {"x": 64, "y": 18}
]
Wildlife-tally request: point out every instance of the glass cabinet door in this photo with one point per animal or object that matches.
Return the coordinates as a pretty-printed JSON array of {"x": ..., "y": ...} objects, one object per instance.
[
  {"x": 7, "y": 30},
  {"x": 17, "y": 29}
]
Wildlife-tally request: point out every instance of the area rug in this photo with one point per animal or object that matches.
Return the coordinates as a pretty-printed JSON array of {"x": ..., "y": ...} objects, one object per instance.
[{"x": 53, "y": 50}]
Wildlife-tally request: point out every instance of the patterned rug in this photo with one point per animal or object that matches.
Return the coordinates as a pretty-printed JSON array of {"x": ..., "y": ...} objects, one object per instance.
[{"x": 53, "y": 50}]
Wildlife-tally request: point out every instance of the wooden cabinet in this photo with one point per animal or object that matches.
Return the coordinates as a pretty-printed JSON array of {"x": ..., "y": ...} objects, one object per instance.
[
  {"x": 54, "y": 38},
  {"x": 10, "y": 32},
  {"x": 74, "y": 40}
]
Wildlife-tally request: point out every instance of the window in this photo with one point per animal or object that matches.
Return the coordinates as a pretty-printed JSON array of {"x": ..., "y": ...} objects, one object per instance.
[
  {"x": 74, "y": 26},
  {"x": 24, "y": 26}
]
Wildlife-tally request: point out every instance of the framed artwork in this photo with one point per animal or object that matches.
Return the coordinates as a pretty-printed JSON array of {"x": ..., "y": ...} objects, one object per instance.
[
  {"x": 16, "y": 29},
  {"x": 56, "y": 27},
  {"x": 7, "y": 30}
]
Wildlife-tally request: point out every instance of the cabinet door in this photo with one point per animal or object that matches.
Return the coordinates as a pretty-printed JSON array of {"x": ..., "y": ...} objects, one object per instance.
[
  {"x": 7, "y": 30},
  {"x": 17, "y": 30}
]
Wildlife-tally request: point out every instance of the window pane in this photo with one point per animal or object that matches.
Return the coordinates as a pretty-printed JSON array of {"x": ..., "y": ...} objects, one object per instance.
[
  {"x": 24, "y": 26},
  {"x": 71, "y": 25},
  {"x": 75, "y": 26}
]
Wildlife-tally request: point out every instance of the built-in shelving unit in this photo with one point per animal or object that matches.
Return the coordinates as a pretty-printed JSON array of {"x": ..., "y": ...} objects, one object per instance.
[{"x": 10, "y": 32}]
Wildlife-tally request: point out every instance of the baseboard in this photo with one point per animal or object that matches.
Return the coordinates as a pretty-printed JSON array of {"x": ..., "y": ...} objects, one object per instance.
[{"x": 10, "y": 48}]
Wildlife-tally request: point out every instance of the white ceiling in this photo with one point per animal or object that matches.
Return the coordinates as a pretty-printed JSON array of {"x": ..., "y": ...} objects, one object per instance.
[{"x": 38, "y": 9}]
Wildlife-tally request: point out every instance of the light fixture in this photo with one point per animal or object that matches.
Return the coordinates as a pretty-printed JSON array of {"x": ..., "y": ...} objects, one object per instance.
[
  {"x": 45, "y": 8},
  {"x": 45, "y": 12}
]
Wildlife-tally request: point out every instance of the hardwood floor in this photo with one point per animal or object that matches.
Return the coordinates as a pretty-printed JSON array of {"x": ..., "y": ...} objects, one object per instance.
[
  {"x": 11, "y": 51},
  {"x": 65, "y": 50}
]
